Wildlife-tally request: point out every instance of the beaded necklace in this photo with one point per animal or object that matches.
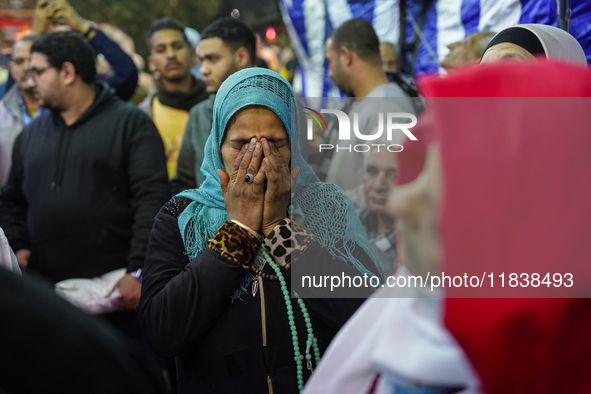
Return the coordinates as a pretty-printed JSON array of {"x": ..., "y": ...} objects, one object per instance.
[
  {"x": 258, "y": 271},
  {"x": 311, "y": 341}
]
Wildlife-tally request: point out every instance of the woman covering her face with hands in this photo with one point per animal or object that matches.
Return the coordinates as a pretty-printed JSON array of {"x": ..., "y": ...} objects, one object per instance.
[{"x": 217, "y": 282}]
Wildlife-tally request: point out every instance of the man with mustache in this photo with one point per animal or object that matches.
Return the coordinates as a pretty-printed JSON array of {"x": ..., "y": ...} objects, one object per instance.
[
  {"x": 20, "y": 105},
  {"x": 86, "y": 178},
  {"x": 172, "y": 57},
  {"x": 355, "y": 66},
  {"x": 378, "y": 223},
  {"x": 466, "y": 52}
]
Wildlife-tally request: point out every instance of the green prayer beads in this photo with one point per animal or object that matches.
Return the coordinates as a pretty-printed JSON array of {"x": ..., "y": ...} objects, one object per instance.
[{"x": 311, "y": 341}]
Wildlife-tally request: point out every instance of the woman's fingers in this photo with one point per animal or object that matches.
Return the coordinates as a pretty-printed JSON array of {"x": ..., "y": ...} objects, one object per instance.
[
  {"x": 278, "y": 185},
  {"x": 271, "y": 153},
  {"x": 270, "y": 173},
  {"x": 247, "y": 164},
  {"x": 276, "y": 172},
  {"x": 244, "y": 201},
  {"x": 258, "y": 185},
  {"x": 246, "y": 159},
  {"x": 276, "y": 160},
  {"x": 255, "y": 162},
  {"x": 276, "y": 196},
  {"x": 237, "y": 162}
]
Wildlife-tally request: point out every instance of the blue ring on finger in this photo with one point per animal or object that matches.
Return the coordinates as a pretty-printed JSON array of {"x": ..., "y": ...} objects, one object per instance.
[{"x": 249, "y": 178}]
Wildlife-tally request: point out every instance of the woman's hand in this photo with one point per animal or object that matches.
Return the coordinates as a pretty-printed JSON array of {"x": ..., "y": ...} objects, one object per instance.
[
  {"x": 279, "y": 180},
  {"x": 244, "y": 201}
]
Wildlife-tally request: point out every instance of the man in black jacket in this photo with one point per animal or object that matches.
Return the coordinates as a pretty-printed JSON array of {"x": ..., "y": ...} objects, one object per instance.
[
  {"x": 19, "y": 106},
  {"x": 87, "y": 177},
  {"x": 48, "y": 346}
]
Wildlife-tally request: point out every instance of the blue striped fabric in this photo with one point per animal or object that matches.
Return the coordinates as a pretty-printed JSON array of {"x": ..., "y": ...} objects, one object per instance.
[
  {"x": 310, "y": 21},
  {"x": 470, "y": 14}
]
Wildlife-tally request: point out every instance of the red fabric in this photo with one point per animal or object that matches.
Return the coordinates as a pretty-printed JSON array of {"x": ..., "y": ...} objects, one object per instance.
[
  {"x": 517, "y": 194},
  {"x": 533, "y": 79},
  {"x": 374, "y": 384},
  {"x": 412, "y": 158}
]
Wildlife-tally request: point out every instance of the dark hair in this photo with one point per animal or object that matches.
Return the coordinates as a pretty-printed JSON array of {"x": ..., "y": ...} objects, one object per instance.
[
  {"x": 234, "y": 33},
  {"x": 68, "y": 46},
  {"x": 260, "y": 62},
  {"x": 359, "y": 36},
  {"x": 167, "y": 23},
  {"x": 30, "y": 38}
]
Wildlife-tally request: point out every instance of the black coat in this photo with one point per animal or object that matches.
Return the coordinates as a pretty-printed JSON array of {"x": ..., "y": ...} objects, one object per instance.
[
  {"x": 49, "y": 346},
  {"x": 83, "y": 197},
  {"x": 222, "y": 346}
]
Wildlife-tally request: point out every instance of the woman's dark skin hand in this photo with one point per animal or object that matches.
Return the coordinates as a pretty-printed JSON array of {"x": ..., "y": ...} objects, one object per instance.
[
  {"x": 244, "y": 202},
  {"x": 279, "y": 181}
]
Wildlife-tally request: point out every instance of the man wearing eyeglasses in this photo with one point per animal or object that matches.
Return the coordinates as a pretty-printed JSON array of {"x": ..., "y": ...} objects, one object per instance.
[
  {"x": 19, "y": 106},
  {"x": 87, "y": 177}
]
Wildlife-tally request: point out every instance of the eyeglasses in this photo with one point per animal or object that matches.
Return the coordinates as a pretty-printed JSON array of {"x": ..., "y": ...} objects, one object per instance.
[
  {"x": 19, "y": 61},
  {"x": 34, "y": 72}
]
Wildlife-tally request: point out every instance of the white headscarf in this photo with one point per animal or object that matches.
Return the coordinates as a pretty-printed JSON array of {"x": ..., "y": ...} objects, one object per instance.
[
  {"x": 557, "y": 43},
  {"x": 401, "y": 337}
]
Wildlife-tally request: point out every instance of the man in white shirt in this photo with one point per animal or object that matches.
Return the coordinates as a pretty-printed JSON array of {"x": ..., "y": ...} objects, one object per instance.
[{"x": 353, "y": 53}]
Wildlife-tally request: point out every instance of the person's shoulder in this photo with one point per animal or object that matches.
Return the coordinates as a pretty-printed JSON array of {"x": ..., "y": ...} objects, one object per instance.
[
  {"x": 363, "y": 214},
  {"x": 40, "y": 124},
  {"x": 203, "y": 106},
  {"x": 3, "y": 109},
  {"x": 146, "y": 104},
  {"x": 11, "y": 95},
  {"x": 121, "y": 110},
  {"x": 394, "y": 90},
  {"x": 107, "y": 103},
  {"x": 176, "y": 205},
  {"x": 9, "y": 103},
  {"x": 385, "y": 98},
  {"x": 388, "y": 90},
  {"x": 35, "y": 130},
  {"x": 123, "y": 119}
]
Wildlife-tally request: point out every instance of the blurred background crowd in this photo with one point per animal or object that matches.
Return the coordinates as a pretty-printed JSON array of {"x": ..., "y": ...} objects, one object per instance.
[
  {"x": 106, "y": 113},
  {"x": 416, "y": 34}
]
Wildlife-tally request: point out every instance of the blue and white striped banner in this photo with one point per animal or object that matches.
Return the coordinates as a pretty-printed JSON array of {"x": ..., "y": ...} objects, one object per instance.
[{"x": 309, "y": 22}]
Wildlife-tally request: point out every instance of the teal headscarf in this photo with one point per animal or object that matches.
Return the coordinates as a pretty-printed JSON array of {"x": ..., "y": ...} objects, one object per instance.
[{"x": 321, "y": 208}]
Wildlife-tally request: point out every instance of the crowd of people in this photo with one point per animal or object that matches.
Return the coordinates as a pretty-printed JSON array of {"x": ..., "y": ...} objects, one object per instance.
[{"x": 188, "y": 223}]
